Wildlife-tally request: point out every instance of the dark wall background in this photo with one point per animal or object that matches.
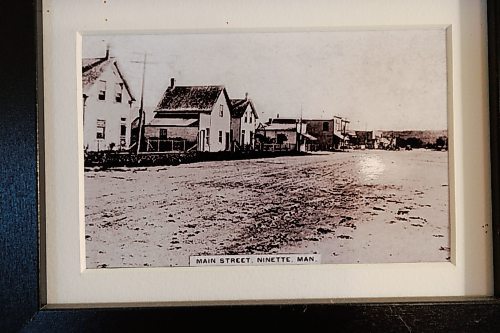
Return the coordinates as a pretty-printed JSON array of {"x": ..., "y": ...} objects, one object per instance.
[{"x": 18, "y": 182}]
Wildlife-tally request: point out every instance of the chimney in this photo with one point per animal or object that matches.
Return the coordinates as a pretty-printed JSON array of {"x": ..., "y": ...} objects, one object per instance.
[
  {"x": 277, "y": 115},
  {"x": 246, "y": 96},
  {"x": 172, "y": 83},
  {"x": 107, "y": 52}
]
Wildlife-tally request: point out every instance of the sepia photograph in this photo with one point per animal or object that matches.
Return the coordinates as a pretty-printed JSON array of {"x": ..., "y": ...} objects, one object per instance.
[{"x": 266, "y": 148}]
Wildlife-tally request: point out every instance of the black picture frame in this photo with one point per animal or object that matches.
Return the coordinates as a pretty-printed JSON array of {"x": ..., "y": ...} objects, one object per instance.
[{"x": 22, "y": 301}]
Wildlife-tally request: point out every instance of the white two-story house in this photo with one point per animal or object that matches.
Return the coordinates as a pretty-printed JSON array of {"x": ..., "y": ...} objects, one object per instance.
[
  {"x": 243, "y": 122},
  {"x": 190, "y": 115},
  {"x": 107, "y": 105}
]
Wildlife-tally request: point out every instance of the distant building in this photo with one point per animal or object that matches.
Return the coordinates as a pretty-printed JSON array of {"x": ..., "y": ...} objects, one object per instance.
[
  {"x": 189, "y": 117},
  {"x": 340, "y": 131},
  {"x": 243, "y": 123},
  {"x": 285, "y": 134},
  {"x": 365, "y": 139},
  {"x": 330, "y": 133},
  {"x": 381, "y": 140},
  {"x": 107, "y": 105},
  {"x": 322, "y": 129}
]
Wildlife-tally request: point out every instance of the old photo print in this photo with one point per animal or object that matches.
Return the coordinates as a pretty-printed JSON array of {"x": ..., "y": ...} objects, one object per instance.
[{"x": 266, "y": 148}]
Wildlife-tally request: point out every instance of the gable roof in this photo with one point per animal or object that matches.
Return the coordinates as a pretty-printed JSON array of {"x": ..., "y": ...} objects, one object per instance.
[
  {"x": 239, "y": 105},
  {"x": 191, "y": 98},
  {"x": 92, "y": 68},
  {"x": 89, "y": 62}
]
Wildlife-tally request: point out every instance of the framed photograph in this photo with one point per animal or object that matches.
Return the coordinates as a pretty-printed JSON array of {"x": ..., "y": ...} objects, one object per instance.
[
  {"x": 335, "y": 161},
  {"x": 300, "y": 182}
]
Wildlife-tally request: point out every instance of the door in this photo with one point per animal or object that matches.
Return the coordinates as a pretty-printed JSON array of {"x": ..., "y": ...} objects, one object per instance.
[
  {"x": 227, "y": 141},
  {"x": 162, "y": 142},
  {"x": 201, "y": 141}
]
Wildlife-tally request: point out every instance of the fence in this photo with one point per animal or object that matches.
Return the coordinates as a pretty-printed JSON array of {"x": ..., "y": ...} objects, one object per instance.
[
  {"x": 168, "y": 145},
  {"x": 278, "y": 147}
]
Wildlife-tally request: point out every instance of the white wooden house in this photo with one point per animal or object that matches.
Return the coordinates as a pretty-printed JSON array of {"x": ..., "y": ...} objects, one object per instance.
[
  {"x": 107, "y": 105},
  {"x": 243, "y": 123},
  {"x": 188, "y": 117}
]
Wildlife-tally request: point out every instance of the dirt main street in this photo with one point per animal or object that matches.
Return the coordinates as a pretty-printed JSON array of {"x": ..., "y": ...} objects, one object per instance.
[{"x": 351, "y": 207}]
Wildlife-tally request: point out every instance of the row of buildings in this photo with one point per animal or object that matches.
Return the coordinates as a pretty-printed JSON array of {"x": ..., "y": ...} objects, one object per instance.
[
  {"x": 394, "y": 140},
  {"x": 187, "y": 117},
  {"x": 304, "y": 134},
  {"x": 202, "y": 118}
]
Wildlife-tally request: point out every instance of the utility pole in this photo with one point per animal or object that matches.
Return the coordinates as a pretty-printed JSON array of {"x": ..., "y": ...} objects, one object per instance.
[
  {"x": 343, "y": 124},
  {"x": 142, "y": 114},
  {"x": 141, "y": 107},
  {"x": 300, "y": 130}
]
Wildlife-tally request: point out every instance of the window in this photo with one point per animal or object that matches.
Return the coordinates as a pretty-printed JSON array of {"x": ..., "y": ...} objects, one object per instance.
[
  {"x": 344, "y": 126},
  {"x": 326, "y": 126},
  {"x": 123, "y": 127},
  {"x": 243, "y": 137},
  {"x": 101, "y": 129},
  {"x": 220, "y": 136},
  {"x": 251, "y": 137},
  {"x": 337, "y": 123},
  {"x": 246, "y": 120},
  {"x": 118, "y": 92},
  {"x": 221, "y": 111},
  {"x": 163, "y": 133},
  {"x": 208, "y": 136},
  {"x": 102, "y": 90},
  {"x": 250, "y": 118},
  {"x": 123, "y": 133}
]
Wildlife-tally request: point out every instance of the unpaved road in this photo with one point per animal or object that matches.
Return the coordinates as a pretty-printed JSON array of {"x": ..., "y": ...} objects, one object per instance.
[{"x": 352, "y": 207}]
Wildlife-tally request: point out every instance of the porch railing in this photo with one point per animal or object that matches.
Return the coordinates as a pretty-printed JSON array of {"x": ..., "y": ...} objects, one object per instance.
[
  {"x": 278, "y": 147},
  {"x": 168, "y": 145}
]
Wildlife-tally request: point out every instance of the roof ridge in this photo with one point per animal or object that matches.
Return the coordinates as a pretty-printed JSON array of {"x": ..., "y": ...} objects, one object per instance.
[
  {"x": 189, "y": 97},
  {"x": 110, "y": 57},
  {"x": 88, "y": 77},
  {"x": 98, "y": 62},
  {"x": 199, "y": 85}
]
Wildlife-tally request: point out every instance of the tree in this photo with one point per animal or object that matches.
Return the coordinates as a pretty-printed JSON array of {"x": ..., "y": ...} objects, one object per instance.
[
  {"x": 413, "y": 142},
  {"x": 441, "y": 141},
  {"x": 280, "y": 138}
]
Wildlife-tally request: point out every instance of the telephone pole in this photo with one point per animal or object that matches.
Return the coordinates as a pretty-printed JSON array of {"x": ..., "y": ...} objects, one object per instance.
[
  {"x": 299, "y": 141},
  {"x": 142, "y": 114},
  {"x": 141, "y": 107}
]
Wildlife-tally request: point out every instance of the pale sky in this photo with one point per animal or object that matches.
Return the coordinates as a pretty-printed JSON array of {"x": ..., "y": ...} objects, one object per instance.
[{"x": 392, "y": 80}]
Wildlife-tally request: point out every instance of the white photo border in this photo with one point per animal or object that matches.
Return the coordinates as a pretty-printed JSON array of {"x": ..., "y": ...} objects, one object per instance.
[{"x": 469, "y": 274}]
